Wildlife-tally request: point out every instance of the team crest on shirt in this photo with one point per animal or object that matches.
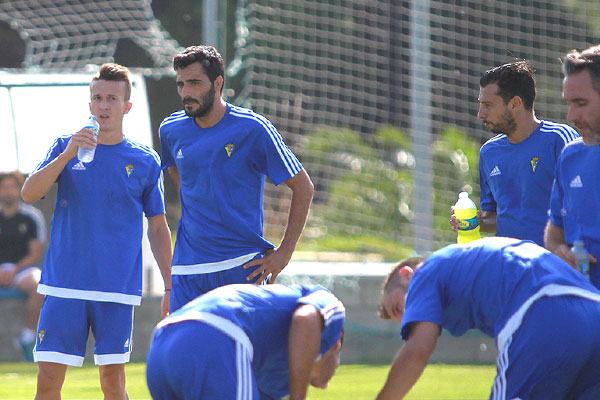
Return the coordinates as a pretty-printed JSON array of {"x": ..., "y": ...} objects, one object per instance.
[
  {"x": 534, "y": 162},
  {"x": 129, "y": 169},
  {"x": 229, "y": 149},
  {"x": 41, "y": 335}
]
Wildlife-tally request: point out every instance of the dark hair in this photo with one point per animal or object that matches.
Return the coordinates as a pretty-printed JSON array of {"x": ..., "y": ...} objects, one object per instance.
[
  {"x": 589, "y": 59},
  {"x": 207, "y": 56},
  {"x": 513, "y": 79},
  {"x": 114, "y": 72},
  {"x": 16, "y": 175},
  {"x": 392, "y": 277}
]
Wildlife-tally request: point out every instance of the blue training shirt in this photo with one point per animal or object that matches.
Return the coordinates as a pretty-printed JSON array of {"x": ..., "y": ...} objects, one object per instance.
[
  {"x": 95, "y": 249},
  {"x": 222, "y": 173},
  {"x": 516, "y": 179},
  {"x": 575, "y": 201},
  {"x": 264, "y": 313},
  {"x": 482, "y": 284}
]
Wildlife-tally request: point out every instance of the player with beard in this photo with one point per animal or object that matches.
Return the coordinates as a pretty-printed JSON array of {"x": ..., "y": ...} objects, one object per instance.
[
  {"x": 516, "y": 167},
  {"x": 219, "y": 156},
  {"x": 575, "y": 201}
]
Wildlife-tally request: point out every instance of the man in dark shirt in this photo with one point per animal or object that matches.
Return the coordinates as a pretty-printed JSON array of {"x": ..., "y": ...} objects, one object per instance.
[{"x": 22, "y": 237}]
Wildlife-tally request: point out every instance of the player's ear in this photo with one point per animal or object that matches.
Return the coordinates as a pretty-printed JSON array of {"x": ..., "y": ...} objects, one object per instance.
[
  {"x": 515, "y": 102},
  {"x": 406, "y": 272}
]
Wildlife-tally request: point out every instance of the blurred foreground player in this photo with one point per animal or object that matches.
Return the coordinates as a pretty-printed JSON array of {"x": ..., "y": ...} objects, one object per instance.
[
  {"x": 247, "y": 342},
  {"x": 544, "y": 315}
]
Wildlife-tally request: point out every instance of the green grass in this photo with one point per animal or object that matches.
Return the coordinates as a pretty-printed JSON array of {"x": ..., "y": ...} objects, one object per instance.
[{"x": 439, "y": 381}]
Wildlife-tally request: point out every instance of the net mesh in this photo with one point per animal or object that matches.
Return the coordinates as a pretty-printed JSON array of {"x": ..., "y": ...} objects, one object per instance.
[
  {"x": 335, "y": 78},
  {"x": 71, "y": 34}
]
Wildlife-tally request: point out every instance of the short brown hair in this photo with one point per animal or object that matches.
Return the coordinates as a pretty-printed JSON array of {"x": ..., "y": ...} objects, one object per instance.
[
  {"x": 16, "y": 175},
  {"x": 114, "y": 72},
  {"x": 392, "y": 277},
  {"x": 589, "y": 59}
]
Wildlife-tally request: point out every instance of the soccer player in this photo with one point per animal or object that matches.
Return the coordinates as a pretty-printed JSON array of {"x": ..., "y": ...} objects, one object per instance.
[
  {"x": 92, "y": 277},
  {"x": 247, "y": 342},
  {"x": 516, "y": 167},
  {"x": 219, "y": 155},
  {"x": 575, "y": 201},
  {"x": 544, "y": 315},
  {"x": 22, "y": 238}
]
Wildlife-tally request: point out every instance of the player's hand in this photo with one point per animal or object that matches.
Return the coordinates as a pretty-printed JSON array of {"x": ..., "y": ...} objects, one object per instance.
[
  {"x": 453, "y": 220},
  {"x": 564, "y": 252},
  {"x": 82, "y": 138},
  {"x": 272, "y": 263},
  {"x": 164, "y": 304}
]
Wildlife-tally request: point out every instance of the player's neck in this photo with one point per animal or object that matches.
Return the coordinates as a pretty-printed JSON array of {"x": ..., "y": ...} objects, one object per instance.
[
  {"x": 111, "y": 137},
  {"x": 525, "y": 127},
  {"x": 213, "y": 116}
]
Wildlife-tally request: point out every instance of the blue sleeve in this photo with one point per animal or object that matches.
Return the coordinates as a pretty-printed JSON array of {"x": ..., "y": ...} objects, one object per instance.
[
  {"x": 423, "y": 301},
  {"x": 486, "y": 198},
  {"x": 153, "y": 197},
  {"x": 166, "y": 152},
  {"x": 272, "y": 157},
  {"x": 333, "y": 313},
  {"x": 57, "y": 147}
]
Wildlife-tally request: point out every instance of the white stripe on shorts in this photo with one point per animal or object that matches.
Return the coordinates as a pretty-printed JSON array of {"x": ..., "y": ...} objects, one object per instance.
[{"x": 207, "y": 268}]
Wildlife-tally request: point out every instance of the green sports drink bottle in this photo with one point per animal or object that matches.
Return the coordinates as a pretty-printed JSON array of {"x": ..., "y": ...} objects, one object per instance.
[{"x": 466, "y": 213}]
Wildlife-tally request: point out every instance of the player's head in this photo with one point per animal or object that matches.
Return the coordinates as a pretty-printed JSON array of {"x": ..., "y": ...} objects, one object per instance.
[
  {"x": 199, "y": 76},
  {"x": 110, "y": 91},
  {"x": 114, "y": 73},
  {"x": 581, "y": 91},
  {"x": 395, "y": 286},
  {"x": 325, "y": 367},
  {"x": 504, "y": 91},
  {"x": 10, "y": 187},
  {"x": 207, "y": 57}
]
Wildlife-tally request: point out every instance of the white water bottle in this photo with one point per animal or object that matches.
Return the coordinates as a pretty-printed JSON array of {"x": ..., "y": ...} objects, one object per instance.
[
  {"x": 582, "y": 256},
  {"x": 84, "y": 154}
]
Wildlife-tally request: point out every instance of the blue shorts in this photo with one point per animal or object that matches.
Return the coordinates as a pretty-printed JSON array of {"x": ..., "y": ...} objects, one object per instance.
[
  {"x": 192, "y": 360},
  {"x": 64, "y": 326},
  {"x": 555, "y": 353},
  {"x": 186, "y": 288}
]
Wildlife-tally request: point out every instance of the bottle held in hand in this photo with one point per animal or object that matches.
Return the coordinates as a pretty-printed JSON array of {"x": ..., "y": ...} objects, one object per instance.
[
  {"x": 466, "y": 214},
  {"x": 87, "y": 155}
]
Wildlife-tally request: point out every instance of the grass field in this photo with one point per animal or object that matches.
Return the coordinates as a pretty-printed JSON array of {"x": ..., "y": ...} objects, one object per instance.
[{"x": 356, "y": 382}]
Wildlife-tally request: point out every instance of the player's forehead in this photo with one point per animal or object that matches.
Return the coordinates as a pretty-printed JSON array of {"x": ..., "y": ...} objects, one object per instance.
[
  {"x": 489, "y": 94},
  {"x": 194, "y": 71},
  {"x": 579, "y": 86},
  {"x": 102, "y": 87}
]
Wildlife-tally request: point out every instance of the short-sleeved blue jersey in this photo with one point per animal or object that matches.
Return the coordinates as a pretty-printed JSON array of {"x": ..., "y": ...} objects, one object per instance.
[
  {"x": 516, "y": 179},
  {"x": 222, "y": 171},
  {"x": 95, "y": 249},
  {"x": 575, "y": 201},
  {"x": 264, "y": 313},
  {"x": 484, "y": 284}
]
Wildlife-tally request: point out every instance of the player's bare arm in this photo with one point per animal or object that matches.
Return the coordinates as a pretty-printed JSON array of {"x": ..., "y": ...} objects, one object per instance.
[
  {"x": 174, "y": 174},
  {"x": 39, "y": 183},
  {"x": 410, "y": 361},
  {"x": 273, "y": 263},
  {"x": 159, "y": 236},
  {"x": 303, "y": 348},
  {"x": 554, "y": 240}
]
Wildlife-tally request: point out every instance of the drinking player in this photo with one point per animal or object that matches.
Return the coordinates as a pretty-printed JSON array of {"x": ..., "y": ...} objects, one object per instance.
[
  {"x": 544, "y": 315},
  {"x": 247, "y": 342}
]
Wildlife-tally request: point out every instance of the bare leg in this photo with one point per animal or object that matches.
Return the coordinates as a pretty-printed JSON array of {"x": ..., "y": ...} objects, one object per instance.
[
  {"x": 112, "y": 381},
  {"x": 51, "y": 377}
]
